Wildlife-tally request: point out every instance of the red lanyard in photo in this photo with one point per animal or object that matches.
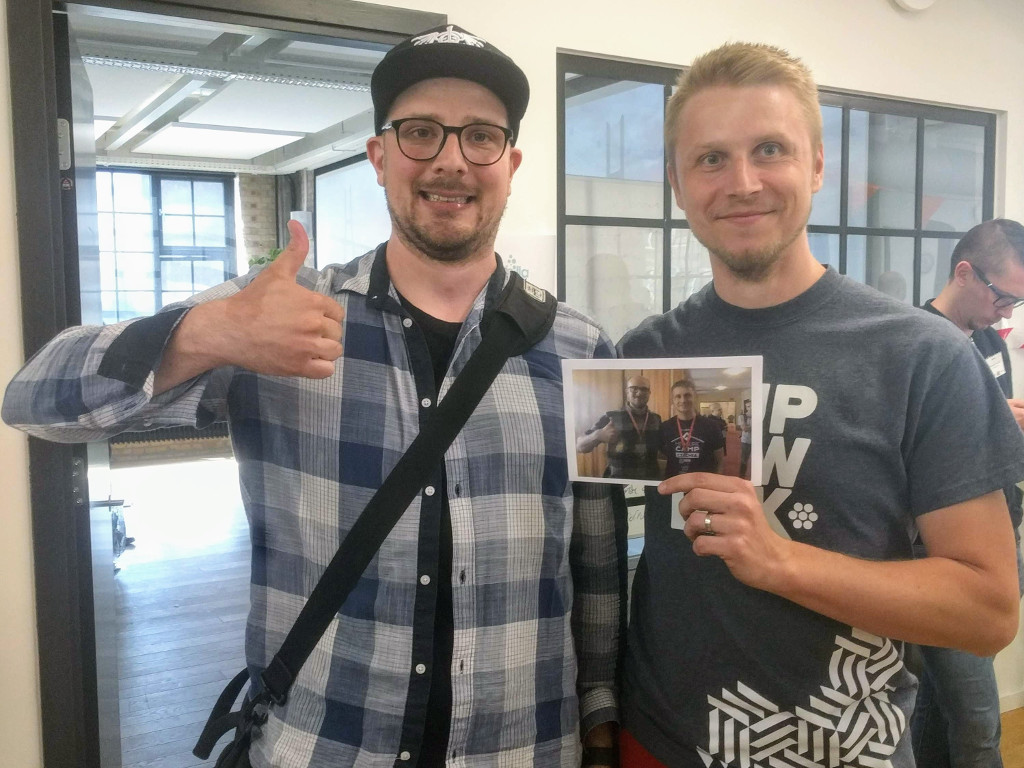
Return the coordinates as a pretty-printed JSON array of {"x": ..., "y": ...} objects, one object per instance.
[
  {"x": 637, "y": 426},
  {"x": 684, "y": 446}
]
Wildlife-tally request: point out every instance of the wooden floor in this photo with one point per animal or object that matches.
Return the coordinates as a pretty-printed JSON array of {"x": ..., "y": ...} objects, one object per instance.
[
  {"x": 182, "y": 599},
  {"x": 1012, "y": 745}
]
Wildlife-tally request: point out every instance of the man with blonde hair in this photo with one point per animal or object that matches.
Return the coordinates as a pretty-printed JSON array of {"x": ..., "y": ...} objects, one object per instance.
[{"x": 768, "y": 628}]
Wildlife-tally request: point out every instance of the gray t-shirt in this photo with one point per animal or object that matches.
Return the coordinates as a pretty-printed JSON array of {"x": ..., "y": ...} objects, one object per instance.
[{"x": 872, "y": 417}]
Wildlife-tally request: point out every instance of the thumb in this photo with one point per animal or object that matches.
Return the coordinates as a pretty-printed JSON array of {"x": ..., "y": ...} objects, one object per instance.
[{"x": 290, "y": 260}]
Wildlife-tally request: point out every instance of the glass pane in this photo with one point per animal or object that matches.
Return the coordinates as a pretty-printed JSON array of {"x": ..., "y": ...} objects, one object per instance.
[
  {"x": 826, "y": 202},
  {"x": 883, "y": 162},
  {"x": 105, "y": 226},
  {"x": 691, "y": 265},
  {"x": 207, "y": 274},
  {"x": 133, "y": 232},
  {"x": 176, "y": 276},
  {"x": 210, "y": 231},
  {"x": 613, "y": 274},
  {"x": 173, "y": 296},
  {"x": 135, "y": 272},
  {"x": 177, "y": 230},
  {"x": 351, "y": 213},
  {"x": 108, "y": 302},
  {"x": 108, "y": 271},
  {"x": 825, "y": 248},
  {"x": 885, "y": 263},
  {"x": 936, "y": 255},
  {"x": 132, "y": 193},
  {"x": 104, "y": 191},
  {"x": 209, "y": 198},
  {"x": 135, "y": 304},
  {"x": 176, "y": 196},
  {"x": 954, "y": 169},
  {"x": 614, "y": 151}
]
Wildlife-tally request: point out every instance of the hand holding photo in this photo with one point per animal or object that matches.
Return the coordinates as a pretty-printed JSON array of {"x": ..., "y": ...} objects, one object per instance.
[{"x": 645, "y": 420}]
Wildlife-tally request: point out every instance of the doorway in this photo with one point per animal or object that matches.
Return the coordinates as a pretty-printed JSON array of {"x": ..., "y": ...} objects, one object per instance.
[{"x": 52, "y": 269}]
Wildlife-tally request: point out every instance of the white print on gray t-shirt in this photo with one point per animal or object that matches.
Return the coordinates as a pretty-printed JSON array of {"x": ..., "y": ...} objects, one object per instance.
[{"x": 790, "y": 402}]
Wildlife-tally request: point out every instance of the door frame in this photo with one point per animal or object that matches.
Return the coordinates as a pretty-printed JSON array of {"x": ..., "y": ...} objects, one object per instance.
[{"x": 65, "y": 634}]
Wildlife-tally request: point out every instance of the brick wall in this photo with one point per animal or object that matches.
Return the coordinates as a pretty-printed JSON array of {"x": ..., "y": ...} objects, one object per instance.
[{"x": 258, "y": 204}]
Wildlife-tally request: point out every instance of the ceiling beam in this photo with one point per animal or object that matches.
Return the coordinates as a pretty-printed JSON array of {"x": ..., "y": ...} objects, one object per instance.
[
  {"x": 169, "y": 99},
  {"x": 347, "y": 136}
]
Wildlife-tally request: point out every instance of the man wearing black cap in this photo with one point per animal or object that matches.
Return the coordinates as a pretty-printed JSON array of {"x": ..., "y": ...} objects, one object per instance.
[{"x": 486, "y": 630}]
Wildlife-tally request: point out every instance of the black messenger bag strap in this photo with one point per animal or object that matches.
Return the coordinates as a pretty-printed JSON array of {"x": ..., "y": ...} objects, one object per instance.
[{"x": 522, "y": 317}]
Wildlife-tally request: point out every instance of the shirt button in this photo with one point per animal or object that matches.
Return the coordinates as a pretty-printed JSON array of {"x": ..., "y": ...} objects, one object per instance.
[
  {"x": 425, "y": 402},
  {"x": 421, "y": 668},
  {"x": 424, "y": 579},
  {"x": 407, "y": 322},
  {"x": 462, "y": 577},
  {"x": 458, "y": 489},
  {"x": 429, "y": 490},
  {"x": 404, "y": 756}
]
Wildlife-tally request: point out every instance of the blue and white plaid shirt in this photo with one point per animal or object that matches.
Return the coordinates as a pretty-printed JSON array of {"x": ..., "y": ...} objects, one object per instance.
[{"x": 538, "y": 573}]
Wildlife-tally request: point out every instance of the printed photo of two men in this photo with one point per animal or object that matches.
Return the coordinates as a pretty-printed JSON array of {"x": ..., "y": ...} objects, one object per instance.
[{"x": 642, "y": 421}]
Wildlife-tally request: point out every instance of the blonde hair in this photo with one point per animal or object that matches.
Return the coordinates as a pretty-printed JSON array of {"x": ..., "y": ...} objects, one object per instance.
[{"x": 743, "y": 64}]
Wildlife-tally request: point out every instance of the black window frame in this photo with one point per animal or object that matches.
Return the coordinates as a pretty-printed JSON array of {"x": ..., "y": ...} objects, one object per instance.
[
  {"x": 226, "y": 254},
  {"x": 619, "y": 70}
]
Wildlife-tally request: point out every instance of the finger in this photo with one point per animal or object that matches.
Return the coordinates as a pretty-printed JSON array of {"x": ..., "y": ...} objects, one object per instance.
[
  {"x": 327, "y": 349},
  {"x": 706, "y": 500},
  {"x": 331, "y": 329},
  {"x": 330, "y": 308},
  {"x": 318, "y": 369},
  {"x": 691, "y": 480},
  {"x": 697, "y": 524},
  {"x": 291, "y": 259}
]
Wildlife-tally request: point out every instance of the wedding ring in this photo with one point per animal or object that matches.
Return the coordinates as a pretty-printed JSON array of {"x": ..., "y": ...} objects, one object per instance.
[{"x": 707, "y": 526}]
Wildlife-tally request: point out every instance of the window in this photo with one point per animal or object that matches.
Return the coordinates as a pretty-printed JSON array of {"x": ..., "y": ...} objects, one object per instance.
[
  {"x": 903, "y": 182},
  {"x": 162, "y": 237},
  {"x": 351, "y": 213}
]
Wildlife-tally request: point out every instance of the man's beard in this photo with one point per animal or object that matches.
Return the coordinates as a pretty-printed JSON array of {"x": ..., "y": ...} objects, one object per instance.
[
  {"x": 753, "y": 266},
  {"x": 450, "y": 249}
]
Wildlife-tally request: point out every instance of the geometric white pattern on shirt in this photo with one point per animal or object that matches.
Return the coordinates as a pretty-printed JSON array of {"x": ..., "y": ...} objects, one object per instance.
[{"x": 852, "y": 723}]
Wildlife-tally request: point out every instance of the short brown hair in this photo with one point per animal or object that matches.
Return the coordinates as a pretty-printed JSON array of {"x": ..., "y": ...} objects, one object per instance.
[{"x": 742, "y": 64}]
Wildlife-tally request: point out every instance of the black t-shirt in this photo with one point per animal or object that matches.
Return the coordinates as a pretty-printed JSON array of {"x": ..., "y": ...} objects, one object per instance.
[
  {"x": 440, "y": 336},
  {"x": 992, "y": 348},
  {"x": 690, "y": 451},
  {"x": 634, "y": 455}
]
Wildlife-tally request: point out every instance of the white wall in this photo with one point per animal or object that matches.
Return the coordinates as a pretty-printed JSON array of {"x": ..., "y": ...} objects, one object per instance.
[
  {"x": 961, "y": 53},
  {"x": 19, "y": 707}
]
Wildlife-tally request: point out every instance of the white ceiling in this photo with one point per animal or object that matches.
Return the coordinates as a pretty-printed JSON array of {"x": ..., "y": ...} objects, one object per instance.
[{"x": 188, "y": 94}]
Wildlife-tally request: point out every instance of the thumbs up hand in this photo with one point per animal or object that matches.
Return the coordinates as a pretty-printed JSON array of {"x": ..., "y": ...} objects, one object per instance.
[
  {"x": 280, "y": 327},
  {"x": 272, "y": 326}
]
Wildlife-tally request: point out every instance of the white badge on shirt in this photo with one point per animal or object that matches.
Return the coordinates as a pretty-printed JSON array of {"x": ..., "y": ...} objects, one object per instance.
[{"x": 995, "y": 364}]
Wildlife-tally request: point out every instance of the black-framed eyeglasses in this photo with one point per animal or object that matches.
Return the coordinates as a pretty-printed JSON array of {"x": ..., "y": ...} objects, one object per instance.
[
  {"x": 420, "y": 138},
  {"x": 1003, "y": 299},
  {"x": 639, "y": 389}
]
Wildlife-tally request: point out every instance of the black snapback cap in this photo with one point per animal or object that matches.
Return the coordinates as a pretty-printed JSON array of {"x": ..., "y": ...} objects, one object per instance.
[{"x": 448, "y": 51}]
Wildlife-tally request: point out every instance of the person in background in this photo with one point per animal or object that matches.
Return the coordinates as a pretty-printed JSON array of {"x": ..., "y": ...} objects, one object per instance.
[
  {"x": 716, "y": 416},
  {"x": 486, "y": 630},
  {"x": 956, "y": 720},
  {"x": 768, "y": 624},
  {"x": 745, "y": 437}
]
